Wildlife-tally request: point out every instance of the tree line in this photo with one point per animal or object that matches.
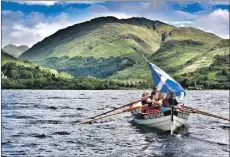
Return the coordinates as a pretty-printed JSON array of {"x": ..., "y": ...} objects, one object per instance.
[{"x": 33, "y": 77}]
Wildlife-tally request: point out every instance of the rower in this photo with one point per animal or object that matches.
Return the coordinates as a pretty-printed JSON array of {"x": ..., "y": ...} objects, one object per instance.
[
  {"x": 144, "y": 100},
  {"x": 154, "y": 104}
]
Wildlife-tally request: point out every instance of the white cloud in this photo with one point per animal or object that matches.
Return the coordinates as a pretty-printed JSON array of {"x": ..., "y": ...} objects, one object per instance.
[
  {"x": 216, "y": 22},
  {"x": 49, "y": 3},
  {"x": 118, "y": 15},
  {"x": 184, "y": 15},
  {"x": 37, "y": 2},
  {"x": 84, "y": 2},
  {"x": 21, "y": 29},
  {"x": 179, "y": 23},
  {"x": 47, "y": 28}
]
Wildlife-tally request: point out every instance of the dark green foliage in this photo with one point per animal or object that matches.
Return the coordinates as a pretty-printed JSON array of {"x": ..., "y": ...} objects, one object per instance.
[
  {"x": 171, "y": 44},
  {"x": 221, "y": 60},
  {"x": 88, "y": 66},
  {"x": 21, "y": 77},
  {"x": 13, "y": 74}
]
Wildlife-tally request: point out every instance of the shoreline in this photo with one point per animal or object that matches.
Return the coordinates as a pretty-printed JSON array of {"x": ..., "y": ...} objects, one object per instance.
[{"x": 111, "y": 89}]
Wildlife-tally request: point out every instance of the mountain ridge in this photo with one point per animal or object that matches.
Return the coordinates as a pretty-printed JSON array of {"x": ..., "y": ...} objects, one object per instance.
[
  {"x": 107, "y": 47},
  {"x": 14, "y": 50}
]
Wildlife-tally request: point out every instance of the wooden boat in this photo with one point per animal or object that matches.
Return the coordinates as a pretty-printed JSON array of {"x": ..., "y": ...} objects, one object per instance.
[{"x": 161, "y": 120}]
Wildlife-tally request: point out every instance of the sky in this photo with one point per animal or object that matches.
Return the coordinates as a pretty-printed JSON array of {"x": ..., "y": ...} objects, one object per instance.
[{"x": 28, "y": 22}]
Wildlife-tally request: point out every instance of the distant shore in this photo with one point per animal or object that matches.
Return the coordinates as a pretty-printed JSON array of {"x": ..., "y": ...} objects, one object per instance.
[{"x": 101, "y": 89}]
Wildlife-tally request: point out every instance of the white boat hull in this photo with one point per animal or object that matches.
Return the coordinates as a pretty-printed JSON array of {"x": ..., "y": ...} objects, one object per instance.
[
  {"x": 163, "y": 123},
  {"x": 161, "y": 120}
]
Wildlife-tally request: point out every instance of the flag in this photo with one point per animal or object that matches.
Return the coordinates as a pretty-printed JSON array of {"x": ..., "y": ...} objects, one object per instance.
[{"x": 164, "y": 82}]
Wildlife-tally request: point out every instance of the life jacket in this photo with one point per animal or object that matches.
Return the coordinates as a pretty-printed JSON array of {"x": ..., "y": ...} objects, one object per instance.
[
  {"x": 166, "y": 103},
  {"x": 150, "y": 103},
  {"x": 149, "y": 110},
  {"x": 143, "y": 102}
]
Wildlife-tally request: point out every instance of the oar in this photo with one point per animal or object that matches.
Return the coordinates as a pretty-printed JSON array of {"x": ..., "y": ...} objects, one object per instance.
[
  {"x": 127, "y": 110},
  {"x": 117, "y": 108},
  {"x": 206, "y": 113}
]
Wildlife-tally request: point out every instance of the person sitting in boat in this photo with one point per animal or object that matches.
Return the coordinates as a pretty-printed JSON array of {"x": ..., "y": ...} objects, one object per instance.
[
  {"x": 161, "y": 96},
  {"x": 170, "y": 100},
  {"x": 144, "y": 100},
  {"x": 161, "y": 100},
  {"x": 154, "y": 105}
]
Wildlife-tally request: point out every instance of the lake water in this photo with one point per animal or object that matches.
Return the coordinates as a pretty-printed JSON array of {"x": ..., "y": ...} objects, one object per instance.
[{"x": 39, "y": 123}]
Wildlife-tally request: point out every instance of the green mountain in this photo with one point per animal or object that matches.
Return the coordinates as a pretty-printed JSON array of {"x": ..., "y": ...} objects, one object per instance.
[
  {"x": 15, "y": 50},
  {"x": 107, "y": 47},
  {"x": 7, "y": 61}
]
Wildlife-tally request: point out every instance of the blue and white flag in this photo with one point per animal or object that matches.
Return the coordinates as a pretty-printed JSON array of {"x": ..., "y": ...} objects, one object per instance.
[{"x": 165, "y": 83}]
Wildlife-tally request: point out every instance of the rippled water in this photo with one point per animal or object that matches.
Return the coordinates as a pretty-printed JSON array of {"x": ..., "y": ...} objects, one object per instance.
[{"x": 39, "y": 123}]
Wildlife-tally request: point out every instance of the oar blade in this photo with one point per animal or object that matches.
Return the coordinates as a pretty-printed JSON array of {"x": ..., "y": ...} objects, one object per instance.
[{"x": 89, "y": 121}]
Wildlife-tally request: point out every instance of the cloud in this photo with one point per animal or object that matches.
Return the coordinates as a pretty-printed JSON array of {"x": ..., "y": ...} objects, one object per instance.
[
  {"x": 97, "y": 8},
  {"x": 11, "y": 16},
  {"x": 179, "y": 23},
  {"x": 184, "y": 15},
  {"x": 140, "y": 8},
  {"x": 219, "y": 2},
  {"x": 84, "y": 2},
  {"x": 21, "y": 29},
  {"x": 27, "y": 29},
  {"x": 48, "y": 3},
  {"x": 33, "y": 18},
  {"x": 216, "y": 22}
]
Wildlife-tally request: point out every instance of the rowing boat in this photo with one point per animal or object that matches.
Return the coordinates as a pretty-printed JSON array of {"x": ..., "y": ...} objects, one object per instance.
[
  {"x": 168, "y": 120},
  {"x": 160, "y": 120}
]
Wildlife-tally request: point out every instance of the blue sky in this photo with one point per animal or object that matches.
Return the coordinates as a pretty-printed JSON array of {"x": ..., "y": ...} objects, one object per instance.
[{"x": 27, "y": 22}]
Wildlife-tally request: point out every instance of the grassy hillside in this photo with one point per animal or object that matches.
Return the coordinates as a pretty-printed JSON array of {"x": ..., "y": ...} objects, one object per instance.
[
  {"x": 101, "y": 37},
  {"x": 215, "y": 76},
  {"x": 207, "y": 58},
  {"x": 107, "y": 47},
  {"x": 190, "y": 33},
  {"x": 6, "y": 58},
  {"x": 9, "y": 61},
  {"x": 14, "y": 50}
]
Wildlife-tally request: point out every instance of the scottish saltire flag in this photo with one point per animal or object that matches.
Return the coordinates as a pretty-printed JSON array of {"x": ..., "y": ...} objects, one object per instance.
[{"x": 165, "y": 83}]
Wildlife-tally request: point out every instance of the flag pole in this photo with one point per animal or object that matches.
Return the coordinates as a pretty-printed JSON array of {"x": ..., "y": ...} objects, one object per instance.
[{"x": 145, "y": 58}]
